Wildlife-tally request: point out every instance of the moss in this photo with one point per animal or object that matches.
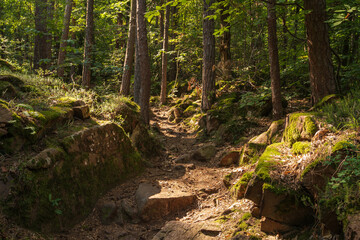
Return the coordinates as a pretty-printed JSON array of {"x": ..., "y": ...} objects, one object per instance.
[
  {"x": 326, "y": 100},
  {"x": 54, "y": 112},
  {"x": 309, "y": 167},
  {"x": 266, "y": 162},
  {"x": 4, "y": 103},
  {"x": 297, "y": 129},
  {"x": 343, "y": 144},
  {"x": 301, "y": 148},
  {"x": 274, "y": 188},
  {"x": 66, "y": 102},
  {"x": 239, "y": 188}
]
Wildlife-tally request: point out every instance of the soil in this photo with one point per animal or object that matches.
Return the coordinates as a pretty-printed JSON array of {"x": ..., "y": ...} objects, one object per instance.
[{"x": 205, "y": 179}]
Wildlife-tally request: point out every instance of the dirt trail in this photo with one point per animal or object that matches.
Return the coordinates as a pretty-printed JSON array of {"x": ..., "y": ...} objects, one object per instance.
[{"x": 202, "y": 178}]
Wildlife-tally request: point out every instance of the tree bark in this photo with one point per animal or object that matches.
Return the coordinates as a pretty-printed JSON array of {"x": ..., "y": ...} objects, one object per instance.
[
  {"x": 89, "y": 42},
  {"x": 225, "y": 54},
  {"x": 144, "y": 61},
  {"x": 42, "y": 43},
  {"x": 322, "y": 79},
  {"x": 164, "y": 56},
  {"x": 64, "y": 38},
  {"x": 274, "y": 61},
  {"x": 208, "y": 70},
  {"x": 130, "y": 49},
  {"x": 137, "y": 80}
]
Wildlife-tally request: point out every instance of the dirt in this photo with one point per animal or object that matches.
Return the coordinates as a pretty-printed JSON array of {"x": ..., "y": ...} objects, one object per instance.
[{"x": 203, "y": 178}]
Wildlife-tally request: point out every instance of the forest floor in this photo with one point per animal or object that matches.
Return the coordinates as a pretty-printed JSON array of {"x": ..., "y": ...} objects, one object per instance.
[{"x": 204, "y": 179}]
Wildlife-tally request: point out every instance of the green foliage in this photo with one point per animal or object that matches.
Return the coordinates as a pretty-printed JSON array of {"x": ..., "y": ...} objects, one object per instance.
[
  {"x": 344, "y": 113},
  {"x": 343, "y": 190}
]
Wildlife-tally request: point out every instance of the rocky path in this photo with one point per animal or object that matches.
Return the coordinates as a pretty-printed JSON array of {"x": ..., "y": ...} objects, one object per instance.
[{"x": 180, "y": 186}]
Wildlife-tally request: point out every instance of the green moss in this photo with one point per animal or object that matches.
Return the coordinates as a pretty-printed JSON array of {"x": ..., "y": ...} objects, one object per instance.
[
  {"x": 4, "y": 103},
  {"x": 274, "y": 188},
  {"x": 327, "y": 99},
  {"x": 239, "y": 188},
  {"x": 301, "y": 148},
  {"x": 266, "y": 162},
  {"x": 54, "y": 112},
  {"x": 297, "y": 129},
  {"x": 66, "y": 101},
  {"x": 343, "y": 144}
]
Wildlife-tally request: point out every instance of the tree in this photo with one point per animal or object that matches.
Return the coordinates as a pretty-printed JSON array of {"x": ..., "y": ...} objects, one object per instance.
[
  {"x": 274, "y": 61},
  {"x": 130, "y": 50},
  {"x": 164, "y": 56},
  {"x": 89, "y": 42},
  {"x": 225, "y": 40},
  {"x": 144, "y": 61},
  {"x": 208, "y": 70},
  {"x": 322, "y": 79},
  {"x": 42, "y": 43},
  {"x": 64, "y": 38}
]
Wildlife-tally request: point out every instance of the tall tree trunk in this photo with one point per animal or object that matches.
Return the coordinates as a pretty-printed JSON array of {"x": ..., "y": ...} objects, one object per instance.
[
  {"x": 161, "y": 20},
  {"x": 64, "y": 38},
  {"x": 322, "y": 79},
  {"x": 73, "y": 38},
  {"x": 144, "y": 61},
  {"x": 225, "y": 54},
  {"x": 208, "y": 70},
  {"x": 172, "y": 57},
  {"x": 164, "y": 56},
  {"x": 130, "y": 49},
  {"x": 120, "y": 23},
  {"x": 137, "y": 79},
  {"x": 274, "y": 61},
  {"x": 42, "y": 43},
  {"x": 89, "y": 42}
]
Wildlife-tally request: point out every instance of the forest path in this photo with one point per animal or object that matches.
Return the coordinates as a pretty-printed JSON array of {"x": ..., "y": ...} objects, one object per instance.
[{"x": 204, "y": 179}]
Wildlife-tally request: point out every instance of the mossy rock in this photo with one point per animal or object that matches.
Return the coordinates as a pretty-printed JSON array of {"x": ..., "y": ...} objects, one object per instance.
[
  {"x": 145, "y": 142},
  {"x": 7, "y": 90},
  {"x": 299, "y": 148},
  {"x": 128, "y": 112},
  {"x": 238, "y": 189},
  {"x": 251, "y": 153},
  {"x": 15, "y": 81},
  {"x": 62, "y": 191},
  {"x": 299, "y": 127}
]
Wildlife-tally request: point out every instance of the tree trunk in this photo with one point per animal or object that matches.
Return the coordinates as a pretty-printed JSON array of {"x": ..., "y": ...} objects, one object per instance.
[
  {"x": 130, "y": 49},
  {"x": 274, "y": 61},
  {"x": 42, "y": 43},
  {"x": 73, "y": 38},
  {"x": 64, "y": 38},
  {"x": 144, "y": 61},
  {"x": 89, "y": 42},
  {"x": 322, "y": 78},
  {"x": 208, "y": 71},
  {"x": 137, "y": 79},
  {"x": 225, "y": 54},
  {"x": 164, "y": 56}
]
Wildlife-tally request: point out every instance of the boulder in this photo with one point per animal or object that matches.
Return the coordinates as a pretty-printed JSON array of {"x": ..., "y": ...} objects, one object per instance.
[
  {"x": 45, "y": 159},
  {"x": 109, "y": 213},
  {"x": 230, "y": 158},
  {"x": 299, "y": 127},
  {"x": 212, "y": 123},
  {"x": 145, "y": 142},
  {"x": 270, "y": 226},
  {"x": 175, "y": 230},
  {"x": 352, "y": 231},
  {"x": 5, "y": 114},
  {"x": 62, "y": 194},
  {"x": 82, "y": 112},
  {"x": 155, "y": 201},
  {"x": 284, "y": 207}
]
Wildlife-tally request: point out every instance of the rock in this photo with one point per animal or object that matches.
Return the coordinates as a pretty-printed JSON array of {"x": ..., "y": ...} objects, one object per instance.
[
  {"x": 204, "y": 153},
  {"x": 254, "y": 190},
  {"x": 7, "y": 90},
  {"x": 144, "y": 142},
  {"x": 230, "y": 158},
  {"x": 273, "y": 227},
  {"x": 299, "y": 127},
  {"x": 15, "y": 81},
  {"x": 255, "y": 211},
  {"x": 82, "y": 112},
  {"x": 5, "y": 187},
  {"x": 129, "y": 209},
  {"x": 283, "y": 207},
  {"x": 45, "y": 159},
  {"x": 175, "y": 230},
  {"x": 352, "y": 231},
  {"x": 110, "y": 213},
  {"x": 95, "y": 160},
  {"x": 251, "y": 152},
  {"x": 155, "y": 201},
  {"x": 3, "y": 132},
  {"x": 212, "y": 123},
  {"x": 183, "y": 158},
  {"x": 5, "y": 114}
]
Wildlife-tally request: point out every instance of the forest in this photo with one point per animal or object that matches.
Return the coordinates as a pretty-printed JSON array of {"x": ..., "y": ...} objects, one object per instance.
[{"x": 179, "y": 119}]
